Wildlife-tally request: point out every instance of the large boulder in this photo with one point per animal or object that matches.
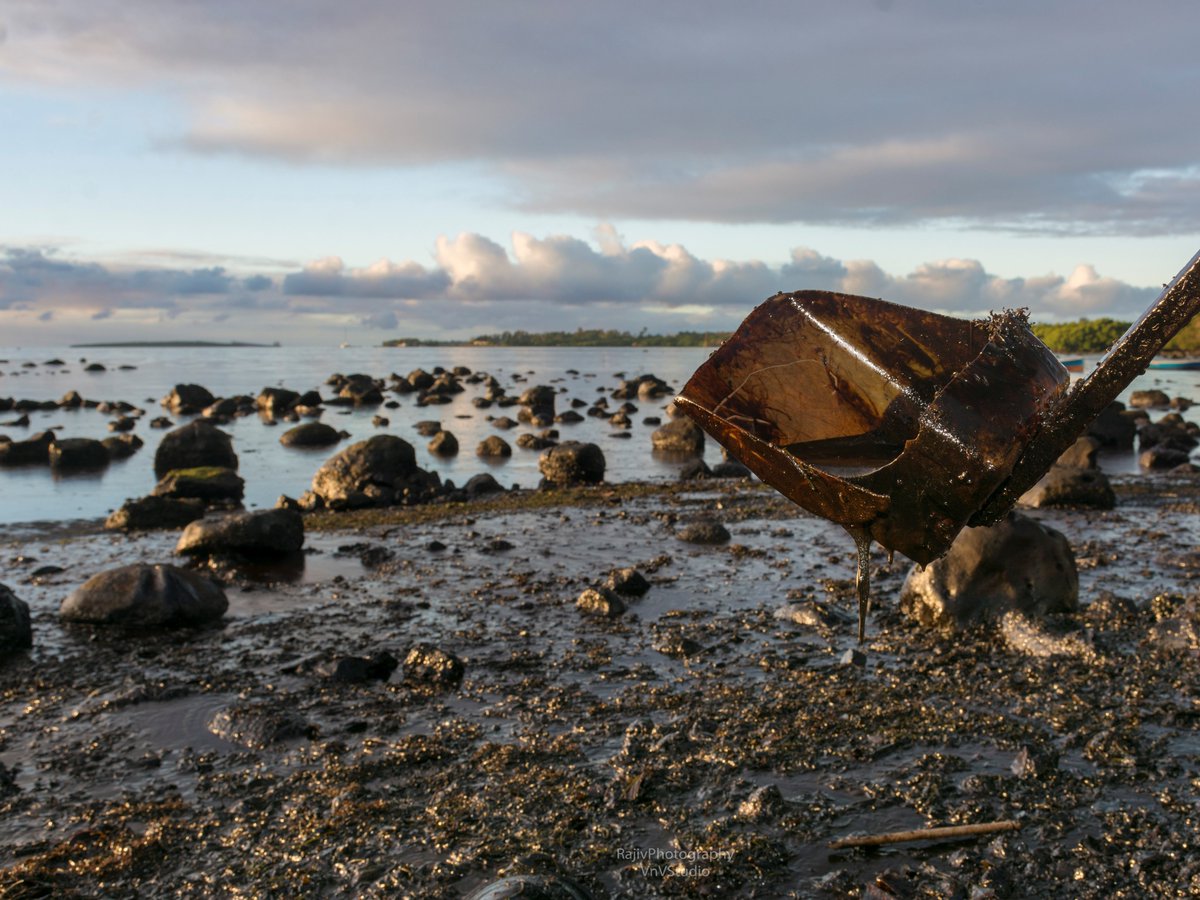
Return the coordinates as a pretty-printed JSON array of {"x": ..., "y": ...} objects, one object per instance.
[
  {"x": 1018, "y": 565},
  {"x": 152, "y": 513},
  {"x": 380, "y": 471},
  {"x": 187, "y": 399},
  {"x": 15, "y": 630},
  {"x": 310, "y": 434},
  {"x": 572, "y": 462},
  {"x": 77, "y": 453},
  {"x": 679, "y": 436},
  {"x": 195, "y": 445},
  {"x": 1071, "y": 486},
  {"x": 144, "y": 595},
  {"x": 264, "y": 532},
  {"x": 208, "y": 483},
  {"x": 1112, "y": 428}
]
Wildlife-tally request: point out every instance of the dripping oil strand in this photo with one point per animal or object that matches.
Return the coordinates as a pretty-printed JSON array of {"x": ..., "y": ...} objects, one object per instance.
[{"x": 862, "y": 581}]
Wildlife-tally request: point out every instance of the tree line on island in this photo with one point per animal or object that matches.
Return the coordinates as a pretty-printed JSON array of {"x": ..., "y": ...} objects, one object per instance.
[{"x": 1085, "y": 336}]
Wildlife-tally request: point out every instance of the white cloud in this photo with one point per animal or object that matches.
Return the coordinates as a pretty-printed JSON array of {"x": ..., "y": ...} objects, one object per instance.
[{"x": 476, "y": 285}]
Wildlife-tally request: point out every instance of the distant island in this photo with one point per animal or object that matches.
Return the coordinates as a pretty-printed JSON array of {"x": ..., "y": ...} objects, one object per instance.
[
  {"x": 1081, "y": 336},
  {"x": 175, "y": 344},
  {"x": 581, "y": 337}
]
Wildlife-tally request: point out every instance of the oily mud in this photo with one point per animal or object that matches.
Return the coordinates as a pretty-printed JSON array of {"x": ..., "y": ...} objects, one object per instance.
[{"x": 709, "y": 741}]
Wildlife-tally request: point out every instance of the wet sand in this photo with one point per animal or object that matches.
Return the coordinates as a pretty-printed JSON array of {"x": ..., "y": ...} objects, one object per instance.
[{"x": 222, "y": 762}]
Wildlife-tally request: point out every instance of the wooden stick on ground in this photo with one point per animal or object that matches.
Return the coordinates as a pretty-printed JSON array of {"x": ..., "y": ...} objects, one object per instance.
[{"x": 924, "y": 834}]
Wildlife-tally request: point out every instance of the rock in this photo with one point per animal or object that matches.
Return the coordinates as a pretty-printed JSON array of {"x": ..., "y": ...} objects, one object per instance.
[
  {"x": 600, "y": 602},
  {"x": 151, "y": 513},
  {"x": 730, "y": 469},
  {"x": 680, "y": 435},
  {"x": 381, "y": 421},
  {"x": 161, "y": 422},
  {"x": 77, "y": 453},
  {"x": 1167, "y": 434},
  {"x": 705, "y": 531},
  {"x": 310, "y": 434},
  {"x": 380, "y": 471},
  {"x": 1181, "y": 403},
  {"x": 260, "y": 725},
  {"x": 143, "y": 595},
  {"x": 572, "y": 462},
  {"x": 1017, "y": 564},
  {"x": 263, "y": 532},
  {"x": 208, "y": 483},
  {"x": 444, "y": 443},
  {"x": 529, "y": 441},
  {"x": 195, "y": 445},
  {"x": 430, "y": 665},
  {"x": 187, "y": 399},
  {"x": 1081, "y": 454},
  {"x": 122, "y": 446},
  {"x": 95, "y": 367},
  {"x": 569, "y": 417},
  {"x": 360, "y": 669},
  {"x": 694, "y": 470},
  {"x": 276, "y": 401},
  {"x": 361, "y": 390},
  {"x": 504, "y": 423},
  {"x": 122, "y": 424},
  {"x": 15, "y": 630},
  {"x": 33, "y": 451},
  {"x": 1152, "y": 399},
  {"x": 853, "y": 657},
  {"x": 481, "y": 485},
  {"x": 1162, "y": 457},
  {"x": 764, "y": 803},
  {"x": 1113, "y": 430},
  {"x": 71, "y": 400},
  {"x": 419, "y": 379},
  {"x": 428, "y": 427},
  {"x": 1071, "y": 486},
  {"x": 1035, "y": 762},
  {"x": 628, "y": 581},
  {"x": 493, "y": 446}
]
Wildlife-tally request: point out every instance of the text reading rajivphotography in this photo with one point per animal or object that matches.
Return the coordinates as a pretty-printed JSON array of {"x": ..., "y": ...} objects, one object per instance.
[{"x": 656, "y": 863}]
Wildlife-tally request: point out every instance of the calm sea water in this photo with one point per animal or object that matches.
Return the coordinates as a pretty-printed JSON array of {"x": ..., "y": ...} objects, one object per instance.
[{"x": 38, "y": 495}]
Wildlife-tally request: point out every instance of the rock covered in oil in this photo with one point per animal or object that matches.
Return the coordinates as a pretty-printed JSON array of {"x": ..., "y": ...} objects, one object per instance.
[
  {"x": 1018, "y": 564},
  {"x": 143, "y": 596}
]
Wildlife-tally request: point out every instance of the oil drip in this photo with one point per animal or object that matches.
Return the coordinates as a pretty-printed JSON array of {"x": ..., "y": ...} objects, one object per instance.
[{"x": 862, "y": 581}]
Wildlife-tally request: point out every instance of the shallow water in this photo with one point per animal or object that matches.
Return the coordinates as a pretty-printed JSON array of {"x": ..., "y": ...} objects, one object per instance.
[{"x": 36, "y": 494}]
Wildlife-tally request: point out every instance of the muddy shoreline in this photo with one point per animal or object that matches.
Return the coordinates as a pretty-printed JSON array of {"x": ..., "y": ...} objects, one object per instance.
[{"x": 698, "y": 725}]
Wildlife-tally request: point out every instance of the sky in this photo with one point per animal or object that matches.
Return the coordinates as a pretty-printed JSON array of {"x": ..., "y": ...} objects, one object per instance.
[{"x": 327, "y": 171}]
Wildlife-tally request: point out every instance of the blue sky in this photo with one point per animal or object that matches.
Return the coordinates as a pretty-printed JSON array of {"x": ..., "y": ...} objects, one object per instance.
[{"x": 313, "y": 172}]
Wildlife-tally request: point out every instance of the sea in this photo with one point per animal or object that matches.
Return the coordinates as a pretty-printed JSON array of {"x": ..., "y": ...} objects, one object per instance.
[{"x": 40, "y": 499}]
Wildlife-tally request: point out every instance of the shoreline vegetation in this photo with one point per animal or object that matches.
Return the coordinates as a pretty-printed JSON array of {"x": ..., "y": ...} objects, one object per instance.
[{"x": 1081, "y": 336}]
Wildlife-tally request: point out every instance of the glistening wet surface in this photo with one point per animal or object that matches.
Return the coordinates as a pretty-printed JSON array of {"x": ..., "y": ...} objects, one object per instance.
[{"x": 699, "y": 722}]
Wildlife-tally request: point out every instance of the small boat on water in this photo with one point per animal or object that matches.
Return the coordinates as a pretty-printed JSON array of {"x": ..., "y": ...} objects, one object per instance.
[
  {"x": 1072, "y": 365},
  {"x": 1190, "y": 365}
]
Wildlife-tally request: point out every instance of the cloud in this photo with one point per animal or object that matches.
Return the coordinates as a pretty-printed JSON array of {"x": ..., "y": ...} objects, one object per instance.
[
  {"x": 537, "y": 283},
  {"x": 1015, "y": 116},
  {"x": 329, "y": 277}
]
